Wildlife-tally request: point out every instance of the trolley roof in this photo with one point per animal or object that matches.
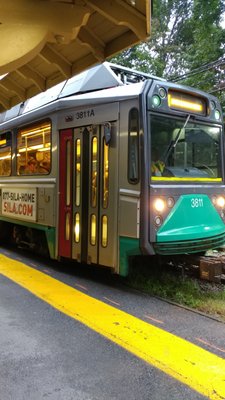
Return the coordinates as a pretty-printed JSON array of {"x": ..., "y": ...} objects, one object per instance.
[{"x": 88, "y": 86}]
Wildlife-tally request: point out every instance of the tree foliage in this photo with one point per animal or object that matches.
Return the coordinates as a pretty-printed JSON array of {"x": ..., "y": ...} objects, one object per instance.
[{"x": 187, "y": 43}]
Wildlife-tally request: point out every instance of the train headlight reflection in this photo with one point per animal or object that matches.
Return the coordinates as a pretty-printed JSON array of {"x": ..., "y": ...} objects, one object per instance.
[
  {"x": 158, "y": 220},
  {"x": 220, "y": 201},
  {"x": 217, "y": 115},
  {"x": 213, "y": 104},
  {"x": 162, "y": 93},
  {"x": 214, "y": 200},
  {"x": 159, "y": 205},
  {"x": 170, "y": 202},
  {"x": 77, "y": 228}
]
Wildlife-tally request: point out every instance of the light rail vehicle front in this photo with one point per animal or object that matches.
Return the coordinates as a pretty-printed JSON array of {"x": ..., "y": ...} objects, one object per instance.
[{"x": 110, "y": 164}]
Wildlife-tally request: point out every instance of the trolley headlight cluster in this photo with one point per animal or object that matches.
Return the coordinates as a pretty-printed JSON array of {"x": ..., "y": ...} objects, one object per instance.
[
  {"x": 219, "y": 203},
  {"x": 161, "y": 207}
]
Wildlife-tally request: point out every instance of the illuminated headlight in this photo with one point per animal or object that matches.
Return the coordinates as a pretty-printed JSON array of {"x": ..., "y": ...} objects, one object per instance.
[
  {"x": 220, "y": 202},
  {"x": 159, "y": 205}
]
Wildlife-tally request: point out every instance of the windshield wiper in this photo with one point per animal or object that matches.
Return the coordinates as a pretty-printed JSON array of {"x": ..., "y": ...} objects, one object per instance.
[{"x": 173, "y": 143}]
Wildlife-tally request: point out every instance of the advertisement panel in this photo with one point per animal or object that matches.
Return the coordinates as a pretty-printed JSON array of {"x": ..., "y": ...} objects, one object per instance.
[{"x": 19, "y": 203}]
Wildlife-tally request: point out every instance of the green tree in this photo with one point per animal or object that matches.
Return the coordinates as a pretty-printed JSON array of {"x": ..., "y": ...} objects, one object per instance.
[
  {"x": 158, "y": 54},
  {"x": 206, "y": 44},
  {"x": 186, "y": 36}
]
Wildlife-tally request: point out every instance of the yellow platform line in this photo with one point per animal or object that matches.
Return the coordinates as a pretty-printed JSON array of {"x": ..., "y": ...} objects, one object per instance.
[{"x": 182, "y": 360}]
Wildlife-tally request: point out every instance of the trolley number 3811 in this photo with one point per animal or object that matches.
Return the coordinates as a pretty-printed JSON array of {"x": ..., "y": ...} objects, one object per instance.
[{"x": 196, "y": 202}]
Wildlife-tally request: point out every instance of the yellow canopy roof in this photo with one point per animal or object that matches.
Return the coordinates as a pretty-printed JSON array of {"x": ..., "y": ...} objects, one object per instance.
[{"x": 44, "y": 42}]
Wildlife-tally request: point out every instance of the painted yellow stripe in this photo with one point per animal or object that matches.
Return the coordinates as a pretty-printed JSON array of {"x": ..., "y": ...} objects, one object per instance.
[
  {"x": 184, "y": 361},
  {"x": 191, "y": 179}
]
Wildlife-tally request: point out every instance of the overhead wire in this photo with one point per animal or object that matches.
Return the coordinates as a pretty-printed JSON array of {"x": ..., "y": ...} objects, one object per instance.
[{"x": 203, "y": 68}]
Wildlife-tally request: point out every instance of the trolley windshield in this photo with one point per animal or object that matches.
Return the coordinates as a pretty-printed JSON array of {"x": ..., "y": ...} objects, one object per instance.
[{"x": 183, "y": 150}]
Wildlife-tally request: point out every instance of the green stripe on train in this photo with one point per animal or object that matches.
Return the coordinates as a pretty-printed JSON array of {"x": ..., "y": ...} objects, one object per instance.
[{"x": 128, "y": 247}]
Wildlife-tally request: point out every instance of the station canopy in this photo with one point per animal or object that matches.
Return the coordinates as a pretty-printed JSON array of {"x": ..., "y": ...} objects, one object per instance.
[
  {"x": 83, "y": 89},
  {"x": 45, "y": 42}
]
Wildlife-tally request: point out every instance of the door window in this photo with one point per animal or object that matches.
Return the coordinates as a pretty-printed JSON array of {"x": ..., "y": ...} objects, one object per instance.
[{"x": 94, "y": 170}]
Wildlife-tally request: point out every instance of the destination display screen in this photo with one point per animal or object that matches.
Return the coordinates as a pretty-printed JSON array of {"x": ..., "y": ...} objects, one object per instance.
[{"x": 183, "y": 101}]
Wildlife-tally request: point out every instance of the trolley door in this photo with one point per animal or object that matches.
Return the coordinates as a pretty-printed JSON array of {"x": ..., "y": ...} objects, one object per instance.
[{"x": 87, "y": 223}]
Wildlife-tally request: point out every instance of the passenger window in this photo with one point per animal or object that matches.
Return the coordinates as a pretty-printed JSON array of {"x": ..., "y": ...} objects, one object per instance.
[
  {"x": 34, "y": 149},
  {"x": 5, "y": 154},
  {"x": 133, "y": 147}
]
